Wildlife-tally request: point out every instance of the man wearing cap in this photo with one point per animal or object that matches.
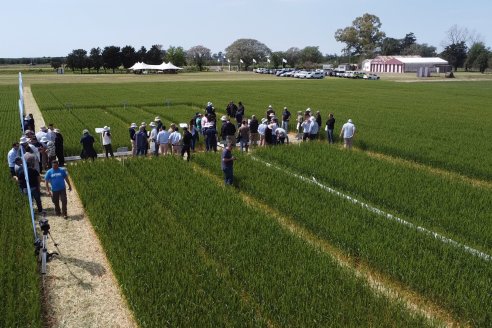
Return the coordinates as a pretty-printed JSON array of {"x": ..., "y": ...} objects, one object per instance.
[
  {"x": 348, "y": 133},
  {"x": 154, "y": 146},
  {"x": 227, "y": 164},
  {"x": 132, "y": 132},
  {"x": 158, "y": 122},
  {"x": 57, "y": 177},
  {"x": 187, "y": 138},
  {"x": 87, "y": 142},
  {"x": 106, "y": 141},
  {"x": 210, "y": 110},
  {"x": 42, "y": 133},
  {"x": 11, "y": 156},
  {"x": 261, "y": 131},
  {"x": 285, "y": 119}
]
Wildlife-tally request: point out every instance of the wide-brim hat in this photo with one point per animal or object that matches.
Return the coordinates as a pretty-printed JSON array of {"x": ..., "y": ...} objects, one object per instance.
[
  {"x": 223, "y": 118},
  {"x": 308, "y": 110},
  {"x": 133, "y": 125},
  {"x": 152, "y": 124},
  {"x": 270, "y": 106},
  {"x": 56, "y": 130},
  {"x": 23, "y": 140},
  {"x": 85, "y": 131},
  {"x": 106, "y": 128},
  {"x": 264, "y": 120},
  {"x": 143, "y": 124},
  {"x": 157, "y": 118}
]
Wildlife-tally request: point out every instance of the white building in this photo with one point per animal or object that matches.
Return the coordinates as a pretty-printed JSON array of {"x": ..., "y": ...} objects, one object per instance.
[{"x": 405, "y": 64}]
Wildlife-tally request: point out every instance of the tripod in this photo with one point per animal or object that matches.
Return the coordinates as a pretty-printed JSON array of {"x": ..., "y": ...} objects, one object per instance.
[{"x": 41, "y": 247}]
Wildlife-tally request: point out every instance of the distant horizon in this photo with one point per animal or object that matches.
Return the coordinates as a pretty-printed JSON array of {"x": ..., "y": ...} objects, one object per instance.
[{"x": 49, "y": 28}]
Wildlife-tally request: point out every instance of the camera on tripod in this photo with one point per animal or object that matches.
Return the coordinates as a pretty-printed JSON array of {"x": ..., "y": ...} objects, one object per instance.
[
  {"x": 40, "y": 245},
  {"x": 44, "y": 225}
]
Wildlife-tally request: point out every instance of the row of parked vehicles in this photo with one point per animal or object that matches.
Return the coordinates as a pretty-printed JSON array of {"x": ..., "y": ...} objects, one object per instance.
[{"x": 316, "y": 74}]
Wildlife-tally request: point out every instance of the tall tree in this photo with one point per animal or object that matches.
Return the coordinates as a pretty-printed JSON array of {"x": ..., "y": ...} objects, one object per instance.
[
  {"x": 455, "y": 54},
  {"x": 363, "y": 37},
  {"x": 155, "y": 55},
  {"x": 198, "y": 55},
  {"x": 408, "y": 40},
  {"x": 111, "y": 58},
  {"x": 293, "y": 56},
  {"x": 418, "y": 49},
  {"x": 474, "y": 53},
  {"x": 128, "y": 56},
  {"x": 390, "y": 47},
  {"x": 141, "y": 54},
  {"x": 78, "y": 59},
  {"x": 482, "y": 61},
  {"x": 96, "y": 58},
  {"x": 276, "y": 58},
  {"x": 246, "y": 49},
  {"x": 176, "y": 55},
  {"x": 311, "y": 55}
]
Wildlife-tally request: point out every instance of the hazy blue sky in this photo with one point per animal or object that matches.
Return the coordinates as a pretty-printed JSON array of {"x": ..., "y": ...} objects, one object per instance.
[{"x": 34, "y": 28}]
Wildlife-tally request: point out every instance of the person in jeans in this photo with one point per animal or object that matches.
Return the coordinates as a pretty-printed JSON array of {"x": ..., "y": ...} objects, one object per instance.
[
  {"x": 227, "y": 164},
  {"x": 57, "y": 178},
  {"x": 34, "y": 182},
  {"x": 330, "y": 126}
]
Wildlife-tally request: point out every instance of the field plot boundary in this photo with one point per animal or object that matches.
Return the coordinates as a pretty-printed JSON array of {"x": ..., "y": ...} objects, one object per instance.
[
  {"x": 378, "y": 282},
  {"x": 382, "y": 213}
]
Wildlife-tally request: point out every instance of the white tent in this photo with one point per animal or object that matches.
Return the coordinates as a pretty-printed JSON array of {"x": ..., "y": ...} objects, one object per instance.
[{"x": 162, "y": 67}]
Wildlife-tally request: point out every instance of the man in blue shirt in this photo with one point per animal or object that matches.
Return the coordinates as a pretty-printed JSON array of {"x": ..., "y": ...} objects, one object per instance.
[
  {"x": 227, "y": 164},
  {"x": 57, "y": 178}
]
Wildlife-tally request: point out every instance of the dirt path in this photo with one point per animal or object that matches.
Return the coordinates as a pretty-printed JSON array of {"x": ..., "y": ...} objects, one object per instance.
[{"x": 79, "y": 289}]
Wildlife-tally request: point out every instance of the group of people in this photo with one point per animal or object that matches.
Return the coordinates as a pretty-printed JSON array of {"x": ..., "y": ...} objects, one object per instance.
[{"x": 40, "y": 151}]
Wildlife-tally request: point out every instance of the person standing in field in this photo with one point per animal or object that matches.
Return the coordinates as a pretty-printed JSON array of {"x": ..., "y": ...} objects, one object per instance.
[
  {"x": 34, "y": 183},
  {"x": 211, "y": 138},
  {"x": 87, "y": 142},
  {"x": 285, "y": 119},
  {"x": 228, "y": 164},
  {"x": 163, "y": 140},
  {"x": 154, "y": 147},
  {"x": 318, "y": 119},
  {"x": 56, "y": 177},
  {"x": 314, "y": 129},
  {"x": 299, "y": 125},
  {"x": 253, "y": 131},
  {"x": 187, "y": 140},
  {"x": 132, "y": 132},
  {"x": 59, "y": 148},
  {"x": 330, "y": 126},
  {"x": 141, "y": 141},
  {"x": 106, "y": 139},
  {"x": 244, "y": 134},
  {"x": 174, "y": 139},
  {"x": 11, "y": 156},
  {"x": 261, "y": 131},
  {"x": 348, "y": 133}
]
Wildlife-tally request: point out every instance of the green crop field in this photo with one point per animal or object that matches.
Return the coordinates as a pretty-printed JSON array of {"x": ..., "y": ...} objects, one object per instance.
[
  {"x": 412, "y": 205},
  {"x": 19, "y": 280},
  {"x": 444, "y": 125}
]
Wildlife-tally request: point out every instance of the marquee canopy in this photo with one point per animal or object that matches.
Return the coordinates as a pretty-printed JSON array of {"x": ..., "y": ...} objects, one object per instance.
[{"x": 162, "y": 67}]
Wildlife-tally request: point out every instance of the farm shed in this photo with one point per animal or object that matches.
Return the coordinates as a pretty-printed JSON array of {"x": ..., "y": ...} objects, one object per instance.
[{"x": 405, "y": 64}]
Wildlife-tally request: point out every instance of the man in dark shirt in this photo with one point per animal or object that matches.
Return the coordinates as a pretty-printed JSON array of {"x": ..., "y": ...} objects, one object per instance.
[
  {"x": 227, "y": 164},
  {"x": 87, "y": 142},
  {"x": 253, "y": 131},
  {"x": 285, "y": 119},
  {"x": 131, "y": 131},
  {"x": 34, "y": 183},
  {"x": 187, "y": 137},
  {"x": 330, "y": 126}
]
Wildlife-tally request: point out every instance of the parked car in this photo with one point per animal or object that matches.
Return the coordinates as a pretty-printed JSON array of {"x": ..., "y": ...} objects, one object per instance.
[
  {"x": 301, "y": 74},
  {"x": 370, "y": 76},
  {"x": 315, "y": 75}
]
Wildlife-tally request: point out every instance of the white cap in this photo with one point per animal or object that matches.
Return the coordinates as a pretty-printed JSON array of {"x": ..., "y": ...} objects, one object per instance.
[
  {"x": 106, "y": 128},
  {"x": 350, "y": 120},
  {"x": 133, "y": 125}
]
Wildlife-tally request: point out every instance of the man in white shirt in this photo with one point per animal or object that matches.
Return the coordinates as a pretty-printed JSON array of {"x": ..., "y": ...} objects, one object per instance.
[
  {"x": 348, "y": 133},
  {"x": 174, "y": 139},
  {"x": 42, "y": 133},
  {"x": 153, "y": 138},
  {"x": 163, "y": 140},
  {"x": 12, "y": 155}
]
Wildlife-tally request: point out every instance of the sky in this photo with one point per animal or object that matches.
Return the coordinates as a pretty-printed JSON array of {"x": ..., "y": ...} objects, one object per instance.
[{"x": 51, "y": 28}]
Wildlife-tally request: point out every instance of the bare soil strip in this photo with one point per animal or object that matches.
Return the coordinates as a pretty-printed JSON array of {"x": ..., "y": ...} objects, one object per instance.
[
  {"x": 79, "y": 289},
  {"x": 377, "y": 281}
]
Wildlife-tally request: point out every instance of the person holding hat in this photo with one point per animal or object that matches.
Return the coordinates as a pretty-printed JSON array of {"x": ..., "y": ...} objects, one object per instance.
[
  {"x": 56, "y": 177},
  {"x": 106, "y": 141},
  {"x": 87, "y": 142},
  {"x": 187, "y": 138},
  {"x": 132, "y": 132},
  {"x": 348, "y": 133},
  {"x": 330, "y": 126}
]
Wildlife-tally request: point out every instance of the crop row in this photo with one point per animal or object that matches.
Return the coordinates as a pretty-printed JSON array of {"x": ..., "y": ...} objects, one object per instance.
[
  {"x": 189, "y": 252},
  {"x": 457, "y": 209},
  {"x": 412, "y": 121},
  {"x": 19, "y": 280},
  {"x": 449, "y": 276}
]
